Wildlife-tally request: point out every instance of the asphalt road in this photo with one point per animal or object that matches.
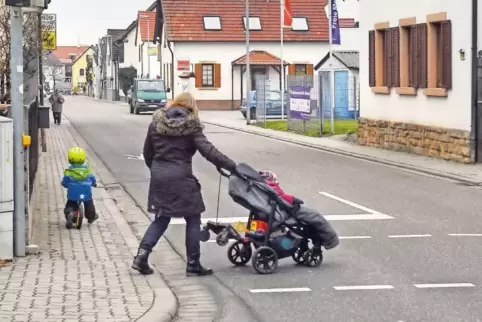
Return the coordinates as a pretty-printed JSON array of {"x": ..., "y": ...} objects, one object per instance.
[{"x": 398, "y": 260}]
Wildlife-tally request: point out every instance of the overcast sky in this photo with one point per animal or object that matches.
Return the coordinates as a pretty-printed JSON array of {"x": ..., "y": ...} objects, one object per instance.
[{"x": 87, "y": 20}]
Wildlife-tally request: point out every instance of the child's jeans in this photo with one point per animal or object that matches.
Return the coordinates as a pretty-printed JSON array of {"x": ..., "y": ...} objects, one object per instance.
[{"x": 89, "y": 208}]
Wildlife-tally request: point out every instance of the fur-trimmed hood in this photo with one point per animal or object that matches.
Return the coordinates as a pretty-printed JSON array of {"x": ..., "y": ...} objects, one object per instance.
[{"x": 176, "y": 121}]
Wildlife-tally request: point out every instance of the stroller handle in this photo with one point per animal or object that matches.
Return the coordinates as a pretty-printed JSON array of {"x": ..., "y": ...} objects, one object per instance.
[{"x": 222, "y": 172}]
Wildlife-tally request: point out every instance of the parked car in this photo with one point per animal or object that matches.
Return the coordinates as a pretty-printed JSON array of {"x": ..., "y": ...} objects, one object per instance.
[{"x": 272, "y": 104}]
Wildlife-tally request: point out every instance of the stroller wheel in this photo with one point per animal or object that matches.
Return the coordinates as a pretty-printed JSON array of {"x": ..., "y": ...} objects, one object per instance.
[
  {"x": 265, "y": 260},
  {"x": 240, "y": 253},
  {"x": 299, "y": 255},
  {"x": 205, "y": 234},
  {"x": 313, "y": 257}
]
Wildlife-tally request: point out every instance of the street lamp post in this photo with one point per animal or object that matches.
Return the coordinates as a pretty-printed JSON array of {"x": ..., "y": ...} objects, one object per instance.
[{"x": 248, "y": 67}]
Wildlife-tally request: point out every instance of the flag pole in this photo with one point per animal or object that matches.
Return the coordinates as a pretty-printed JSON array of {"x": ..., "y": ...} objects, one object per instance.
[
  {"x": 332, "y": 75},
  {"x": 282, "y": 60}
]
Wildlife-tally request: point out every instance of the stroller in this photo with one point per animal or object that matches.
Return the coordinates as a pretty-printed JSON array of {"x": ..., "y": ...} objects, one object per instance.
[{"x": 277, "y": 229}]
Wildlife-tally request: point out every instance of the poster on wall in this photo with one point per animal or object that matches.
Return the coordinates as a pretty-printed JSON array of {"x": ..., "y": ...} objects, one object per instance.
[{"x": 300, "y": 102}]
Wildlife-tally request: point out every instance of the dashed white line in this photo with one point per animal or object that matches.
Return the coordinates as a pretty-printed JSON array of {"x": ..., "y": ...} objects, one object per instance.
[
  {"x": 410, "y": 236},
  {"x": 280, "y": 290},
  {"x": 445, "y": 285},
  {"x": 362, "y": 287},
  {"x": 354, "y": 237},
  {"x": 465, "y": 235}
]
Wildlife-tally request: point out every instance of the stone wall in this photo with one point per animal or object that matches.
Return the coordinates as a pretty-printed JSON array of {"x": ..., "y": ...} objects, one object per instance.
[{"x": 424, "y": 140}]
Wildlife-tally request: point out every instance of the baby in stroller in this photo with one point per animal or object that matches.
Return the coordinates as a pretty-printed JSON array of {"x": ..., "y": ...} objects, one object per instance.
[
  {"x": 327, "y": 235},
  {"x": 279, "y": 226}
]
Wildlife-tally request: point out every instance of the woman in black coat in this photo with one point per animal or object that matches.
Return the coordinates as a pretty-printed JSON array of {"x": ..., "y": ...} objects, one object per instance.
[{"x": 174, "y": 136}]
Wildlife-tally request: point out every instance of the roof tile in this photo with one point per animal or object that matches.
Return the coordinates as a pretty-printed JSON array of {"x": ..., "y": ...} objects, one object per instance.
[
  {"x": 147, "y": 19},
  {"x": 259, "y": 57},
  {"x": 184, "y": 20},
  {"x": 63, "y": 53}
]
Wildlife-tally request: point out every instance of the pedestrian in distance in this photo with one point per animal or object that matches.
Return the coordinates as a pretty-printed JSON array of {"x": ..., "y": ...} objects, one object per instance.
[
  {"x": 57, "y": 101},
  {"x": 174, "y": 136},
  {"x": 79, "y": 179}
]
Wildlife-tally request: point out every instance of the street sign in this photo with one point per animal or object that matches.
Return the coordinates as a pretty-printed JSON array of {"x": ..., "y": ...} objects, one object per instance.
[{"x": 49, "y": 31}]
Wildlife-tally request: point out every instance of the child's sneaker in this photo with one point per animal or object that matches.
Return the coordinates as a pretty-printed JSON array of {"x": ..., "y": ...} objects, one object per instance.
[{"x": 91, "y": 220}]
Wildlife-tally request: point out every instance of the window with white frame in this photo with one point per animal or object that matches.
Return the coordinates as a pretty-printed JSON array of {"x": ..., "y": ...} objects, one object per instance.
[
  {"x": 207, "y": 75},
  {"x": 254, "y": 23},
  {"x": 212, "y": 23},
  {"x": 299, "y": 24}
]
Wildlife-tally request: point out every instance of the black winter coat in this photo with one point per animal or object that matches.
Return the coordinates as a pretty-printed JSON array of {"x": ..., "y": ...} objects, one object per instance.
[{"x": 173, "y": 138}]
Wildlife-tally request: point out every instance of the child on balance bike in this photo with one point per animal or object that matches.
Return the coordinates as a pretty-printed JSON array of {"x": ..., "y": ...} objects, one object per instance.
[{"x": 79, "y": 180}]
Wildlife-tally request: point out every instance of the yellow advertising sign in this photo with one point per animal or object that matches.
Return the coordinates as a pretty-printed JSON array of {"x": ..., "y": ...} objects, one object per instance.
[
  {"x": 49, "y": 31},
  {"x": 152, "y": 51}
]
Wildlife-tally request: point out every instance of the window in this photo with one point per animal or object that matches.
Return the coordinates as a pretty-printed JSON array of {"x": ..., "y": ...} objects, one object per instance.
[
  {"x": 212, "y": 23},
  {"x": 300, "y": 69},
  {"x": 439, "y": 55},
  {"x": 254, "y": 23},
  {"x": 82, "y": 72},
  {"x": 384, "y": 58},
  {"x": 208, "y": 75},
  {"x": 413, "y": 56},
  {"x": 299, "y": 24}
]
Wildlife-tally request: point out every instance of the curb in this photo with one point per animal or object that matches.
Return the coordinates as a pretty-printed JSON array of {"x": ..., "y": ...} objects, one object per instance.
[
  {"x": 356, "y": 155},
  {"x": 121, "y": 103},
  {"x": 165, "y": 306}
]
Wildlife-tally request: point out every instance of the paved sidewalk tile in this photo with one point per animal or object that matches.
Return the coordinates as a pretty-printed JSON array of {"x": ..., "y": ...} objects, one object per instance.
[
  {"x": 80, "y": 275},
  {"x": 466, "y": 172}
]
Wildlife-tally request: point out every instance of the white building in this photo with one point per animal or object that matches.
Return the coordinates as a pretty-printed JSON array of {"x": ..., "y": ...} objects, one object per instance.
[
  {"x": 210, "y": 41},
  {"x": 418, "y": 82}
]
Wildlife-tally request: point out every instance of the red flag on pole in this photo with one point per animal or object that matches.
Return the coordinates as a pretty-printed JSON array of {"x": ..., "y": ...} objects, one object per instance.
[{"x": 288, "y": 14}]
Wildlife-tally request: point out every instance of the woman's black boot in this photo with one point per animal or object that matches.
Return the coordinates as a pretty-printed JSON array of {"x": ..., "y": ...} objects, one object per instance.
[
  {"x": 141, "y": 263},
  {"x": 194, "y": 268}
]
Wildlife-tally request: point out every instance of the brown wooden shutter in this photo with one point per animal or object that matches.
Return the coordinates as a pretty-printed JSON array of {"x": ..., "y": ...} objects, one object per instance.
[
  {"x": 446, "y": 54},
  {"x": 217, "y": 75},
  {"x": 422, "y": 67},
  {"x": 198, "y": 72},
  {"x": 396, "y": 57},
  {"x": 413, "y": 63},
  {"x": 309, "y": 69},
  {"x": 291, "y": 69},
  {"x": 371, "y": 58},
  {"x": 387, "y": 57}
]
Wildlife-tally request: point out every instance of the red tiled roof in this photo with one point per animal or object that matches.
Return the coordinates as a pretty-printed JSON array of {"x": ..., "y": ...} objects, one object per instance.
[
  {"x": 259, "y": 57},
  {"x": 63, "y": 52},
  {"x": 184, "y": 20},
  {"x": 147, "y": 19},
  {"x": 347, "y": 22}
]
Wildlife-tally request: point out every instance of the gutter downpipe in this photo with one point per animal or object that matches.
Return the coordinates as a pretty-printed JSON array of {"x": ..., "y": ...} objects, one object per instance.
[
  {"x": 474, "y": 99},
  {"x": 172, "y": 67}
]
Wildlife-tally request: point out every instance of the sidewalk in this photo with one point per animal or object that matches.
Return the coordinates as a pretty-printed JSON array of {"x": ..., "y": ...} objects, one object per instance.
[
  {"x": 79, "y": 275},
  {"x": 467, "y": 173}
]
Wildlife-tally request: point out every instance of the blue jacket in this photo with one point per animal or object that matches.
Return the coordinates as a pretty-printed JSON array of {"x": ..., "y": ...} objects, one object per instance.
[{"x": 79, "y": 179}]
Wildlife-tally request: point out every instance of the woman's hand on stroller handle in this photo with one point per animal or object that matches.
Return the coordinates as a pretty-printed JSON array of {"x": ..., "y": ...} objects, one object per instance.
[{"x": 222, "y": 172}]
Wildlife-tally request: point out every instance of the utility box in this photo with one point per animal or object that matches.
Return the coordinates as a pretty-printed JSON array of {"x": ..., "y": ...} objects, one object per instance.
[
  {"x": 43, "y": 117},
  {"x": 6, "y": 188}
]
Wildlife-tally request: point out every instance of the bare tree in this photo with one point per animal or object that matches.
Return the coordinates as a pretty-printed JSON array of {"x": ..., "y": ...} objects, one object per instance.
[{"x": 32, "y": 40}]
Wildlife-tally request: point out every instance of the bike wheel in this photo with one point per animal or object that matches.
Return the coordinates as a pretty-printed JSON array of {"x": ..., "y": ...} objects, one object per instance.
[{"x": 80, "y": 217}]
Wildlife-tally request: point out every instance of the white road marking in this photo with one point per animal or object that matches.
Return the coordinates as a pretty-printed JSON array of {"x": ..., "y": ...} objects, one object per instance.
[
  {"x": 446, "y": 285},
  {"x": 280, "y": 290},
  {"x": 409, "y": 236},
  {"x": 362, "y": 287},
  {"x": 354, "y": 237},
  {"x": 214, "y": 240},
  {"x": 232, "y": 220},
  {"x": 465, "y": 235},
  {"x": 355, "y": 205}
]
